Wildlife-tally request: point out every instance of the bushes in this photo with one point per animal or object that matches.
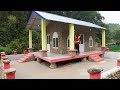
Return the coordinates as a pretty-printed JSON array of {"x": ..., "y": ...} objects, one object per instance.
[
  {"x": 7, "y": 50},
  {"x": 22, "y": 44}
]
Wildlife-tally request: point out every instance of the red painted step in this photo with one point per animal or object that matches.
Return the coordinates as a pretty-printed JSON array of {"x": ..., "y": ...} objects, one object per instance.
[
  {"x": 25, "y": 57},
  {"x": 96, "y": 57}
]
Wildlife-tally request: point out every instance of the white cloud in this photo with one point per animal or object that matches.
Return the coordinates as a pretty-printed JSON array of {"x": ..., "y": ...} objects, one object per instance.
[{"x": 111, "y": 16}]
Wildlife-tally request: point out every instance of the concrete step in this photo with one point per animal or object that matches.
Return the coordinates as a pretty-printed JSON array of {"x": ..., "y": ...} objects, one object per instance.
[
  {"x": 96, "y": 57},
  {"x": 24, "y": 58}
]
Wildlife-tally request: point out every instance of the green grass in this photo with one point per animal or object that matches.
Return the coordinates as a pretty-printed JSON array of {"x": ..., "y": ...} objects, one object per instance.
[{"x": 114, "y": 48}]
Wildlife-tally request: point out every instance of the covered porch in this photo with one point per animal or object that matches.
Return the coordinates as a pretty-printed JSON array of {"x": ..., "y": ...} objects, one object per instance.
[
  {"x": 40, "y": 20},
  {"x": 53, "y": 58}
]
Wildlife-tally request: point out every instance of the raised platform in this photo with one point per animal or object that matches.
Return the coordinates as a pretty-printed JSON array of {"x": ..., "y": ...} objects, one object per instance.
[{"x": 53, "y": 58}]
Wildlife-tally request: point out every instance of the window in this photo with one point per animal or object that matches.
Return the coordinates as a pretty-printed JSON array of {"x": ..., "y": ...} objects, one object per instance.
[
  {"x": 55, "y": 39},
  {"x": 90, "y": 41}
]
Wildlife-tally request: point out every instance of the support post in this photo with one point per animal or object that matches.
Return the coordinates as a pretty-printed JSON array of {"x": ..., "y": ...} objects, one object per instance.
[
  {"x": 30, "y": 49},
  {"x": 43, "y": 34},
  {"x": 95, "y": 73},
  {"x": 10, "y": 73},
  {"x": 118, "y": 62},
  {"x": 103, "y": 41},
  {"x": 72, "y": 51}
]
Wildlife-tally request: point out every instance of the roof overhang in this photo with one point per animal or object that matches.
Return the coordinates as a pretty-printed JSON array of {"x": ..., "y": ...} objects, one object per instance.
[{"x": 34, "y": 22}]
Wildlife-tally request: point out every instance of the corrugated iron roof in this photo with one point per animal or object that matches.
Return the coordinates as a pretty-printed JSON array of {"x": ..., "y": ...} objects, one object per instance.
[{"x": 53, "y": 17}]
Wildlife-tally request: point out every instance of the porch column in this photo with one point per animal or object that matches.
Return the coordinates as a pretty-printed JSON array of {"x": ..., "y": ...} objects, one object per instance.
[
  {"x": 30, "y": 49},
  {"x": 43, "y": 34},
  {"x": 72, "y": 51},
  {"x": 103, "y": 40},
  {"x": 30, "y": 38},
  {"x": 71, "y": 33}
]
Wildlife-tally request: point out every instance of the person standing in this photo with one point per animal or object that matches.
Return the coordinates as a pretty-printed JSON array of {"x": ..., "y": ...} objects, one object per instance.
[{"x": 77, "y": 42}]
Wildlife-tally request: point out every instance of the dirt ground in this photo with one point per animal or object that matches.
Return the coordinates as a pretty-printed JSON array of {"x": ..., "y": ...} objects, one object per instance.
[{"x": 74, "y": 70}]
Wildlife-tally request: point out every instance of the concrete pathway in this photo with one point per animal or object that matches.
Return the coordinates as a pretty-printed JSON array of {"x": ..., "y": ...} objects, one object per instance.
[{"x": 76, "y": 70}]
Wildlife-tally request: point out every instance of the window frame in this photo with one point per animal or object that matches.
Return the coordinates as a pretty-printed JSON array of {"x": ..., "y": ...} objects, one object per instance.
[
  {"x": 55, "y": 38},
  {"x": 90, "y": 41}
]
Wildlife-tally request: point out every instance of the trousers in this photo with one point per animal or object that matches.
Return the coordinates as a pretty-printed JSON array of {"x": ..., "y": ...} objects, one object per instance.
[{"x": 77, "y": 47}]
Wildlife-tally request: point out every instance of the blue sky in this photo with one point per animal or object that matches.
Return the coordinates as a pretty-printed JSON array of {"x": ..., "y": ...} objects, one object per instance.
[{"x": 111, "y": 16}]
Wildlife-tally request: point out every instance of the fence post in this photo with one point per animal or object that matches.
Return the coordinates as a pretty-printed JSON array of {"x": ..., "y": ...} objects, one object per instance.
[
  {"x": 118, "y": 62},
  {"x": 95, "y": 72},
  {"x": 6, "y": 64},
  {"x": 4, "y": 58},
  {"x": 10, "y": 73},
  {"x": 15, "y": 52}
]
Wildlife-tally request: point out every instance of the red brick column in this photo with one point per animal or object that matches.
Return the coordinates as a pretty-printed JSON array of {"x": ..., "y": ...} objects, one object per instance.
[
  {"x": 15, "y": 52},
  {"x": 4, "y": 58},
  {"x": 3, "y": 55},
  {"x": 107, "y": 50},
  {"x": 43, "y": 53},
  {"x": 95, "y": 73},
  {"x": 103, "y": 48},
  {"x": 118, "y": 62},
  {"x": 30, "y": 50},
  {"x": 10, "y": 73},
  {"x": 72, "y": 52},
  {"x": 6, "y": 64}
]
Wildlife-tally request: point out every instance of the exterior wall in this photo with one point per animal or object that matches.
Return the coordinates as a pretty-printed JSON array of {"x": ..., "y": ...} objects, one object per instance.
[
  {"x": 63, "y": 31},
  {"x": 87, "y": 33}
]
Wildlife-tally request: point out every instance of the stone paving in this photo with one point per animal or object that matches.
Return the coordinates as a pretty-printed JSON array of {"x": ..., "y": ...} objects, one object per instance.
[
  {"x": 76, "y": 70},
  {"x": 15, "y": 57}
]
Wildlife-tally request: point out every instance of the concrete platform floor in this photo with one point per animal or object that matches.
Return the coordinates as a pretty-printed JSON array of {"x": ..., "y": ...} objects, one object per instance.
[{"x": 75, "y": 70}]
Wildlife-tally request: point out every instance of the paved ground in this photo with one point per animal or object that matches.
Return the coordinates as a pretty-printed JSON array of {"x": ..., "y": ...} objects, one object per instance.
[
  {"x": 15, "y": 57},
  {"x": 76, "y": 70},
  {"x": 1, "y": 68}
]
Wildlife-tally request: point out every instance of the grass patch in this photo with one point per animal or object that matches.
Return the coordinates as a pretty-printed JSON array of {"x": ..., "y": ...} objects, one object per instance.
[{"x": 115, "y": 50}]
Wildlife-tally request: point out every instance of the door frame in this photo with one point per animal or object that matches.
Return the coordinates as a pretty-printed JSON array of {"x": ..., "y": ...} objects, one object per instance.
[
  {"x": 48, "y": 45},
  {"x": 83, "y": 45}
]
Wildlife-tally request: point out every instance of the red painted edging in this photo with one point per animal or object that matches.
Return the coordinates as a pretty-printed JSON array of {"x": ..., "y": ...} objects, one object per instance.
[
  {"x": 95, "y": 76},
  {"x": 67, "y": 58}
]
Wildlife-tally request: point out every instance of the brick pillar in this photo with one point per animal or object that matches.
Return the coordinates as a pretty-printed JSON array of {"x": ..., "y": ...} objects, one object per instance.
[
  {"x": 3, "y": 55},
  {"x": 107, "y": 50},
  {"x": 118, "y": 62},
  {"x": 6, "y": 64},
  {"x": 43, "y": 53},
  {"x": 4, "y": 58},
  {"x": 10, "y": 73},
  {"x": 30, "y": 50},
  {"x": 15, "y": 52},
  {"x": 72, "y": 52},
  {"x": 95, "y": 73},
  {"x": 103, "y": 48}
]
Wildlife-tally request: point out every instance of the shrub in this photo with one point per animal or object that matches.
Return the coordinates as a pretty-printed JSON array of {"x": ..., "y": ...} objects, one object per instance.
[{"x": 7, "y": 50}]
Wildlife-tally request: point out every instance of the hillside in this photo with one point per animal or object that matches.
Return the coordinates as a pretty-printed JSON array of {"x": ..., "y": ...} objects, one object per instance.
[{"x": 113, "y": 26}]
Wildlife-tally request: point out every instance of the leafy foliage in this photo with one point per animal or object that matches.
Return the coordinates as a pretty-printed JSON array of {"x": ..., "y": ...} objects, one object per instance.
[{"x": 14, "y": 36}]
